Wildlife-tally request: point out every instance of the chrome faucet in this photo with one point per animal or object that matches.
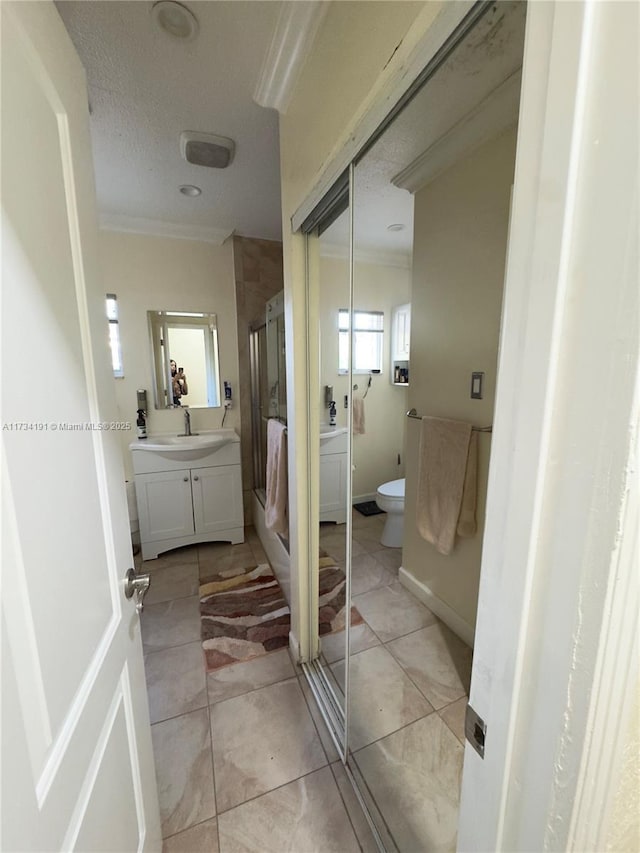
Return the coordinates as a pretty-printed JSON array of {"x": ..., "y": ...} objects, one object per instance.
[{"x": 187, "y": 422}]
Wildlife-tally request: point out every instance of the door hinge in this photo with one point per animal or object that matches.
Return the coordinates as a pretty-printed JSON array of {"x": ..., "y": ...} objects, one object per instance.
[{"x": 475, "y": 730}]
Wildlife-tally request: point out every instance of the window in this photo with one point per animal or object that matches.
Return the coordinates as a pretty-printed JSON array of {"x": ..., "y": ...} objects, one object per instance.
[
  {"x": 367, "y": 341},
  {"x": 114, "y": 335}
]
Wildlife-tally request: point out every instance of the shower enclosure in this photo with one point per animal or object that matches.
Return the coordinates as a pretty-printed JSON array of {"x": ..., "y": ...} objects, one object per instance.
[{"x": 267, "y": 353}]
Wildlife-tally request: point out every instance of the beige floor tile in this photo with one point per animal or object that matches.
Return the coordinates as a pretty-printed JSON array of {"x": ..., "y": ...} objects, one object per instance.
[
  {"x": 335, "y": 544},
  {"x": 361, "y": 637},
  {"x": 239, "y": 678},
  {"x": 382, "y": 698},
  {"x": 414, "y": 776},
  {"x": 369, "y": 537},
  {"x": 176, "y": 682},
  {"x": 372, "y": 521},
  {"x": 391, "y": 558},
  {"x": 368, "y": 573},
  {"x": 202, "y": 838},
  {"x": 184, "y": 772},
  {"x": 259, "y": 554},
  {"x": 172, "y": 623},
  {"x": 437, "y": 661},
  {"x": 178, "y": 581},
  {"x": 240, "y": 557},
  {"x": 177, "y": 557},
  {"x": 262, "y": 740},
  {"x": 391, "y": 611},
  {"x": 305, "y": 816},
  {"x": 211, "y": 550},
  {"x": 454, "y": 715}
]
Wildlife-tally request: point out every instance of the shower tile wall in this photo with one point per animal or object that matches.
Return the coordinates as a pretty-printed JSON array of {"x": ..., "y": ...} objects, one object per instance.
[{"x": 259, "y": 277}]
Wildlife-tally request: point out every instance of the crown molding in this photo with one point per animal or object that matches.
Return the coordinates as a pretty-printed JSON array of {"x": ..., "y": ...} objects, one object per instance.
[
  {"x": 401, "y": 260},
  {"x": 293, "y": 37},
  {"x": 491, "y": 117},
  {"x": 158, "y": 228}
]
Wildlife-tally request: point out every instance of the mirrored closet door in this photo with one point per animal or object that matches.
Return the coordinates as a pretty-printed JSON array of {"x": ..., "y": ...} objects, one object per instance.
[{"x": 409, "y": 298}]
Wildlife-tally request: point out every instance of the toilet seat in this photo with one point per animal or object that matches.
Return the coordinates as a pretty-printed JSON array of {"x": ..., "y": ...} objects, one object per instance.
[{"x": 392, "y": 489}]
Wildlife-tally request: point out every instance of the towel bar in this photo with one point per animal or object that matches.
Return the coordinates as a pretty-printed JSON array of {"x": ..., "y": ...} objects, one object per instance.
[{"x": 413, "y": 414}]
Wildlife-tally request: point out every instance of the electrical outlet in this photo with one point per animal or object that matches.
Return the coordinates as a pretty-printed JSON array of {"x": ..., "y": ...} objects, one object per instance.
[{"x": 227, "y": 404}]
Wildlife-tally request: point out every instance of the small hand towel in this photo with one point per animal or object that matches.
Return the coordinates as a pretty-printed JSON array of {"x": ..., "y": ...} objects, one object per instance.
[
  {"x": 358, "y": 416},
  {"x": 447, "y": 475},
  {"x": 275, "y": 510}
]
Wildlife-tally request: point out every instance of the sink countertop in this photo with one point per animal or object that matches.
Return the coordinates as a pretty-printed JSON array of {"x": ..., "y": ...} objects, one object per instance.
[{"x": 174, "y": 443}]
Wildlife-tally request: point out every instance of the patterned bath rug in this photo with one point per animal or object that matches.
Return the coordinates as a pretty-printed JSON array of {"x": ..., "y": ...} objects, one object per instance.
[
  {"x": 368, "y": 508},
  {"x": 331, "y": 601},
  {"x": 244, "y": 614}
]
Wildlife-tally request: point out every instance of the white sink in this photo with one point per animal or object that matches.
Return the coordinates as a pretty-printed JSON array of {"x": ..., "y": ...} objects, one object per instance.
[
  {"x": 327, "y": 431},
  {"x": 185, "y": 447}
]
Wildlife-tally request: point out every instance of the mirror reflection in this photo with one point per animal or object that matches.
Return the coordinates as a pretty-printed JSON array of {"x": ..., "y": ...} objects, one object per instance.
[
  {"x": 334, "y": 301},
  {"x": 409, "y": 308},
  {"x": 185, "y": 359}
]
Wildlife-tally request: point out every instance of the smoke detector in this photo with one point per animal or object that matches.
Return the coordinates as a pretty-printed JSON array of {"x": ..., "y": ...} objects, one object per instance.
[{"x": 205, "y": 149}]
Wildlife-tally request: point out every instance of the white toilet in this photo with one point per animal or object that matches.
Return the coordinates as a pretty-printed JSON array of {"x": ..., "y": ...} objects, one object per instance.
[{"x": 390, "y": 498}]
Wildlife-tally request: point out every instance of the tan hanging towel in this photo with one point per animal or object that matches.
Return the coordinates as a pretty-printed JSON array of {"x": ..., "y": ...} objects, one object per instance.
[
  {"x": 447, "y": 482},
  {"x": 358, "y": 416},
  {"x": 275, "y": 509}
]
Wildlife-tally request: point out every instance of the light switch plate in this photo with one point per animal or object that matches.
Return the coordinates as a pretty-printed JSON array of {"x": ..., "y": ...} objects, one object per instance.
[{"x": 477, "y": 381}]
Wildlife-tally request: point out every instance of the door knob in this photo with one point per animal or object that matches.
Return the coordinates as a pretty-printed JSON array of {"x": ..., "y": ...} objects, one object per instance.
[{"x": 136, "y": 585}]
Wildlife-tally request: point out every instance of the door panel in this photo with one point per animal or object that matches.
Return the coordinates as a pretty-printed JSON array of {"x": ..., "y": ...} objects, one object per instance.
[
  {"x": 217, "y": 498},
  {"x": 77, "y": 761},
  {"x": 164, "y": 505}
]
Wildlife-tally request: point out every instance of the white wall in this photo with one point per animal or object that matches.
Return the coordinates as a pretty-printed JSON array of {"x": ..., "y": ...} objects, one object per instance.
[
  {"x": 162, "y": 273},
  {"x": 460, "y": 238},
  {"x": 376, "y": 288}
]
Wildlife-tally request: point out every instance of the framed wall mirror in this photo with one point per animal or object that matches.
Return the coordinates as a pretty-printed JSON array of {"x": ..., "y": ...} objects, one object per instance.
[{"x": 185, "y": 363}]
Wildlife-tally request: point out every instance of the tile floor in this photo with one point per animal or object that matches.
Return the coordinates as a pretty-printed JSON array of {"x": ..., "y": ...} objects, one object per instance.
[
  {"x": 241, "y": 763},
  {"x": 243, "y": 759},
  {"x": 408, "y": 692}
]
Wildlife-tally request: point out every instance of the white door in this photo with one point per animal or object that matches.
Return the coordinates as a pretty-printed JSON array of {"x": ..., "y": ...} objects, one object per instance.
[{"x": 76, "y": 747}]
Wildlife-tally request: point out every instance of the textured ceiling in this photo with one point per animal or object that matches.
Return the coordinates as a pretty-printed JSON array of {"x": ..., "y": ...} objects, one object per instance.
[{"x": 145, "y": 88}]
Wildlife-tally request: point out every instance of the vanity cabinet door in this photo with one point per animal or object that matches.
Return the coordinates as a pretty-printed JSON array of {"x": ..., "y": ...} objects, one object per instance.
[
  {"x": 217, "y": 498},
  {"x": 164, "y": 505},
  {"x": 333, "y": 487}
]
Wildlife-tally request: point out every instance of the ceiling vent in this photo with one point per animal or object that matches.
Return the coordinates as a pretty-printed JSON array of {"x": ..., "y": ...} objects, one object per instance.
[{"x": 205, "y": 149}]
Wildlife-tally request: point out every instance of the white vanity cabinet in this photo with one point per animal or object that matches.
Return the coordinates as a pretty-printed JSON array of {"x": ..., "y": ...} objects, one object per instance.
[
  {"x": 333, "y": 476},
  {"x": 183, "y": 502}
]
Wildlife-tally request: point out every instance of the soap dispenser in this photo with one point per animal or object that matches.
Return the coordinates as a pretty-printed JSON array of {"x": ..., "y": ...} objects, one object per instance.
[
  {"x": 332, "y": 413},
  {"x": 141, "y": 424}
]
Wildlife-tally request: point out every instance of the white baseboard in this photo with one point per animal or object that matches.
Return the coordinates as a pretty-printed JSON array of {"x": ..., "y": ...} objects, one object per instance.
[
  {"x": 360, "y": 499},
  {"x": 441, "y": 609}
]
